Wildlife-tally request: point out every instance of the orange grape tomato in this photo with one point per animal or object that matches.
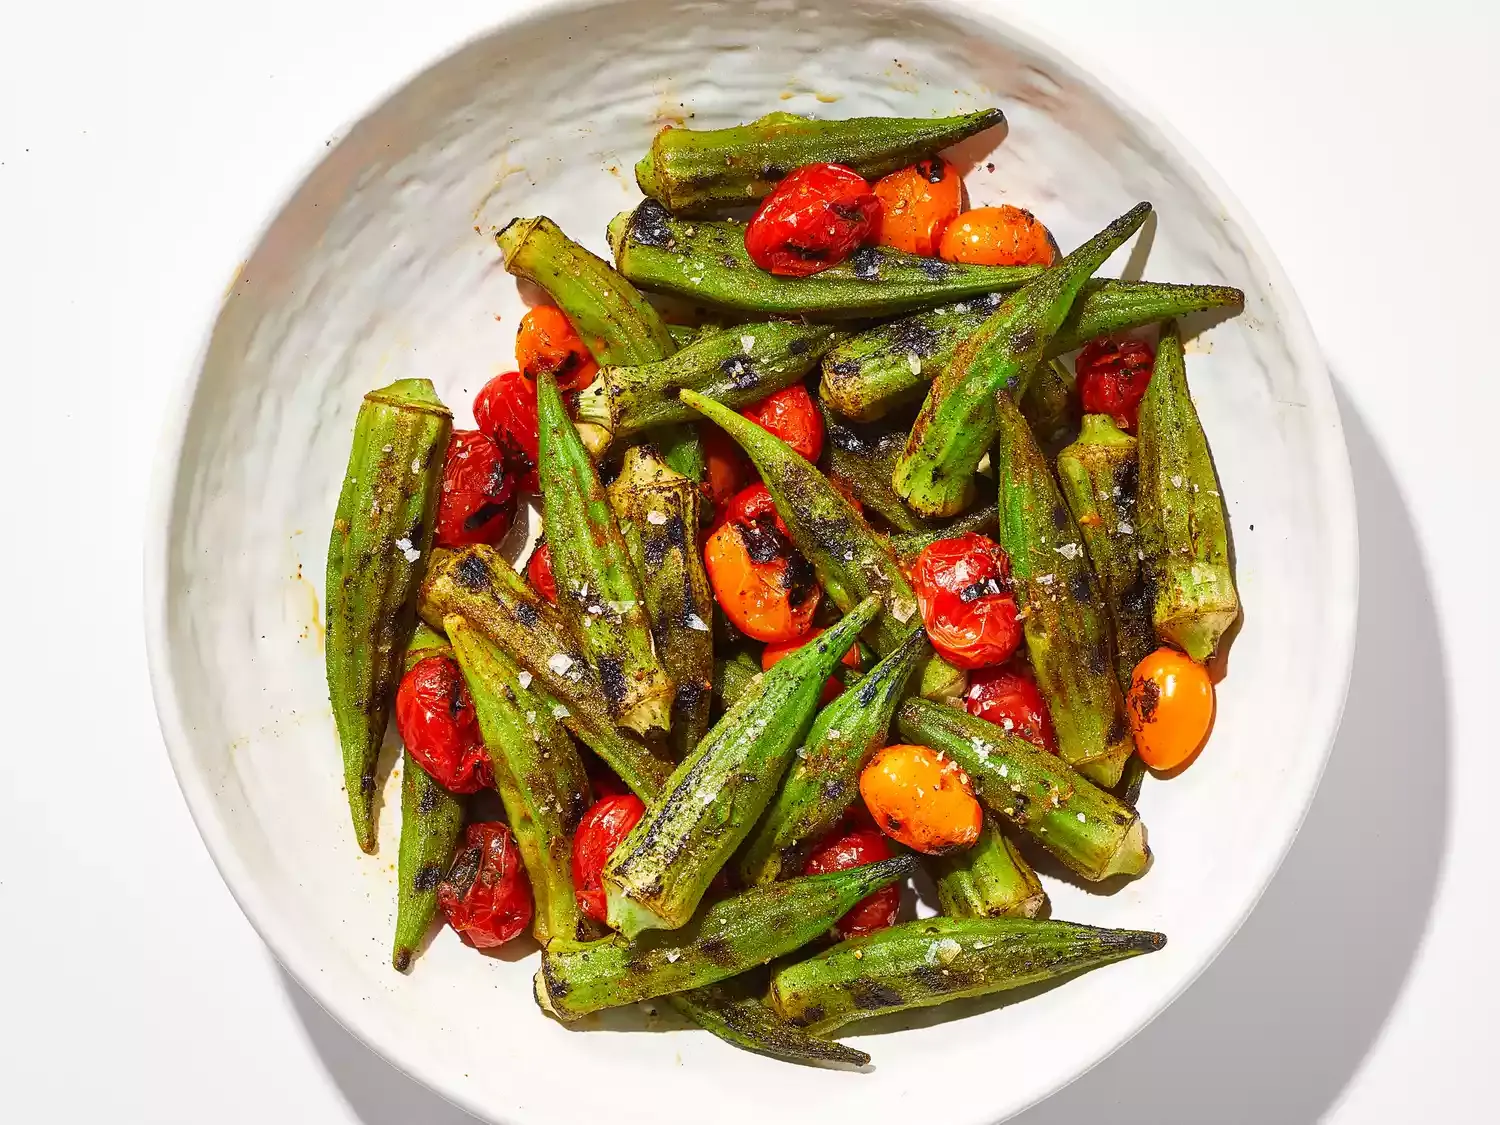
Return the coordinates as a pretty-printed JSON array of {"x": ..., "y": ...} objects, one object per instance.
[
  {"x": 1171, "y": 707},
  {"x": 774, "y": 652},
  {"x": 997, "y": 236},
  {"x": 918, "y": 202},
  {"x": 921, "y": 799},
  {"x": 547, "y": 341},
  {"x": 726, "y": 469},
  {"x": 766, "y": 596}
]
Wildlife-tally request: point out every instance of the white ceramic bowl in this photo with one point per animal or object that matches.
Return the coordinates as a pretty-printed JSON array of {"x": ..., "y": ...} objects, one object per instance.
[{"x": 381, "y": 266}]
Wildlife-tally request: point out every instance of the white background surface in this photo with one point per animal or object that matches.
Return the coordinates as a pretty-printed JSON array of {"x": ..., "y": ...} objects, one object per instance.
[{"x": 140, "y": 150}]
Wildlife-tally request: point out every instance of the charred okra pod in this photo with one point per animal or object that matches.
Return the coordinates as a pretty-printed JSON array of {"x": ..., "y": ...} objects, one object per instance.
[
  {"x": 1183, "y": 525},
  {"x": 1068, "y": 634},
  {"x": 1088, "y": 829},
  {"x": 737, "y": 367},
  {"x": 706, "y": 261},
  {"x": 869, "y": 374},
  {"x": 596, "y": 583},
  {"x": 382, "y": 532},
  {"x": 1051, "y": 405},
  {"x": 1098, "y": 477},
  {"x": 739, "y": 1018},
  {"x": 909, "y": 544},
  {"x": 658, "y": 513},
  {"x": 700, "y": 171},
  {"x": 990, "y": 880},
  {"x": 538, "y": 774},
  {"x": 657, "y": 876},
  {"x": 862, "y": 459},
  {"x": 733, "y": 935},
  {"x": 733, "y": 676},
  {"x": 957, "y": 425},
  {"x": 918, "y": 964},
  {"x": 824, "y": 779},
  {"x": 478, "y": 584}
]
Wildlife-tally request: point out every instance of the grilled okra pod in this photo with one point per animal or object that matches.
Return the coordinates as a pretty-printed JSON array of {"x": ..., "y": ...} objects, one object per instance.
[
  {"x": 1184, "y": 528},
  {"x": 867, "y": 375},
  {"x": 734, "y": 934},
  {"x": 1098, "y": 478},
  {"x": 852, "y": 561},
  {"x": 382, "y": 532},
  {"x": 659, "y": 873},
  {"x": 909, "y": 544},
  {"x": 707, "y": 262},
  {"x": 1088, "y": 829},
  {"x": 1068, "y": 633},
  {"x": 862, "y": 460},
  {"x": 1051, "y": 405},
  {"x": 823, "y": 781},
  {"x": 538, "y": 773},
  {"x": 596, "y": 584},
  {"x": 918, "y": 964},
  {"x": 990, "y": 880},
  {"x": 957, "y": 425},
  {"x": 733, "y": 676},
  {"x": 699, "y": 171},
  {"x": 658, "y": 513},
  {"x": 737, "y": 367},
  {"x": 739, "y": 1018},
  {"x": 478, "y": 584}
]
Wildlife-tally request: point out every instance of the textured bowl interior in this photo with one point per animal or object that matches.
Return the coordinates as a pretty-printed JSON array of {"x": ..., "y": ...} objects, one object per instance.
[{"x": 382, "y": 266}]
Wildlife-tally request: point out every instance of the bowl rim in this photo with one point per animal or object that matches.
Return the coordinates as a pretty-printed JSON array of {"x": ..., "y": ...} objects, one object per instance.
[{"x": 1330, "y": 456}]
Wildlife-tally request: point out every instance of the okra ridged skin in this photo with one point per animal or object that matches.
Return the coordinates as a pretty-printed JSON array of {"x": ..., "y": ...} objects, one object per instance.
[
  {"x": 706, "y": 261},
  {"x": 1098, "y": 475},
  {"x": 382, "y": 533},
  {"x": 823, "y": 780},
  {"x": 700, "y": 171},
  {"x": 1184, "y": 527},
  {"x": 1068, "y": 632},
  {"x": 478, "y": 584},
  {"x": 957, "y": 423},
  {"x": 918, "y": 964},
  {"x": 732, "y": 935},
  {"x": 597, "y": 587},
  {"x": 990, "y": 880},
  {"x": 869, "y": 374},
  {"x": 736, "y": 367},
  {"x": 743, "y": 1021},
  {"x": 1051, "y": 405},
  {"x": 657, "y": 509},
  {"x": 431, "y": 818},
  {"x": 659, "y": 873},
  {"x": 539, "y": 776},
  {"x": 1091, "y": 831},
  {"x": 862, "y": 459},
  {"x": 733, "y": 676}
]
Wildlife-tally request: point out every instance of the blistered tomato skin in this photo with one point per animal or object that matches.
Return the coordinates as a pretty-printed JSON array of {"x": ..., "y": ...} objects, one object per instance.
[
  {"x": 816, "y": 217},
  {"x": 435, "y": 718},
  {"x": 599, "y": 833},
  {"x": 792, "y": 416},
  {"x": 751, "y": 504},
  {"x": 1011, "y": 700},
  {"x": 997, "y": 236},
  {"x": 477, "y": 502},
  {"x": 763, "y": 586},
  {"x": 539, "y": 572},
  {"x": 547, "y": 341},
  {"x": 486, "y": 897},
  {"x": 917, "y": 204},
  {"x": 505, "y": 410},
  {"x": 775, "y": 652},
  {"x": 963, "y": 587},
  {"x": 725, "y": 467},
  {"x": 920, "y": 799},
  {"x": 855, "y": 849},
  {"x": 1112, "y": 378},
  {"x": 1171, "y": 708}
]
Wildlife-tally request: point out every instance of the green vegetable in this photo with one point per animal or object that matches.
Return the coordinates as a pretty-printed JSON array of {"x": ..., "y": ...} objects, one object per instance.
[
  {"x": 733, "y": 676},
  {"x": 869, "y": 374},
  {"x": 707, "y": 262},
  {"x": 382, "y": 532},
  {"x": 957, "y": 425},
  {"x": 478, "y": 584},
  {"x": 736, "y": 367},
  {"x": 1089, "y": 830},
  {"x": 908, "y": 545},
  {"x": 729, "y": 937},
  {"x": 538, "y": 773},
  {"x": 824, "y": 780},
  {"x": 862, "y": 458},
  {"x": 658, "y": 514},
  {"x": 1129, "y": 789},
  {"x": 1098, "y": 477},
  {"x": 1068, "y": 634},
  {"x": 990, "y": 880},
  {"x": 1051, "y": 405},
  {"x": 699, "y": 171},
  {"x": 852, "y": 561},
  {"x": 1183, "y": 524},
  {"x": 918, "y": 964},
  {"x": 596, "y": 584},
  {"x": 659, "y": 873},
  {"x": 739, "y": 1018}
]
